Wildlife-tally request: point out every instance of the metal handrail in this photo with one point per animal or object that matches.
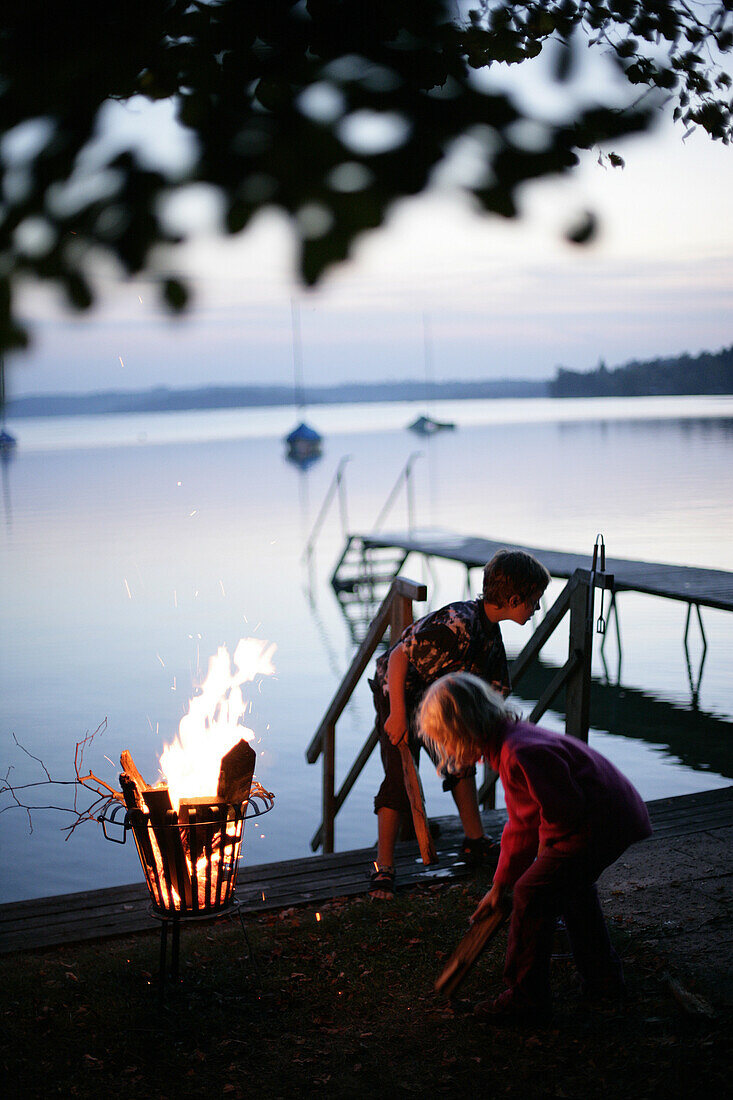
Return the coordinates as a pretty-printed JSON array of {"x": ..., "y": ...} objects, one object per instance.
[
  {"x": 394, "y": 613},
  {"x": 337, "y": 485},
  {"x": 405, "y": 475}
]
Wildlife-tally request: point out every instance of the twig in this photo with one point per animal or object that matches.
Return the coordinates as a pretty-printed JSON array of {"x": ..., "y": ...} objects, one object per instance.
[
  {"x": 36, "y": 758},
  {"x": 104, "y": 794}
]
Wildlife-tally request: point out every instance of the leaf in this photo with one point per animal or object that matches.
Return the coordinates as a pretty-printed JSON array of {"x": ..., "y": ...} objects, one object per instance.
[
  {"x": 627, "y": 48},
  {"x": 563, "y": 62},
  {"x": 175, "y": 295},
  {"x": 497, "y": 200},
  {"x": 584, "y": 229},
  {"x": 77, "y": 290}
]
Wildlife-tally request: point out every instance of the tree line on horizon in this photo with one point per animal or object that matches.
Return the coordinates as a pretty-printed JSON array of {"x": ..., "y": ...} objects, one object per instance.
[{"x": 709, "y": 372}]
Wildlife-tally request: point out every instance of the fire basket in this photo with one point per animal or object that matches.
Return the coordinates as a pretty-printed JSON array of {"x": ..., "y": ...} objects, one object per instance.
[{"x": 189, "y": 856}]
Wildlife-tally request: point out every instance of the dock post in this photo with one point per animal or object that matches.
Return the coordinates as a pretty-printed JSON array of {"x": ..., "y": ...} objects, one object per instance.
[
  {"x": 577, "y": 687},
  {"x": 401, "y": 617}
]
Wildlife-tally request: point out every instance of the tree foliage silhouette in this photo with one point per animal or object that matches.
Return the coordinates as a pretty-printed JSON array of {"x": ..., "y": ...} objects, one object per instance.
[{"x": 277, "y": 95}]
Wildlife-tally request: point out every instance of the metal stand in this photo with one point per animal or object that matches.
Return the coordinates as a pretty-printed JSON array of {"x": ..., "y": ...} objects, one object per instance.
[
  {"x": 175, "y": 949},
  {"x": 175, "y": 920}
]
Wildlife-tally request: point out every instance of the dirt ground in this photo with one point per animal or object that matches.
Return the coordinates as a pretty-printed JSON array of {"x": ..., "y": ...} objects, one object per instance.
[{"x": 676, "y": 896}]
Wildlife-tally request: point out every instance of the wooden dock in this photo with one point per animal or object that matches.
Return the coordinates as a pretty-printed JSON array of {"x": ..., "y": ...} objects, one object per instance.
[
  {"x": 693, "y": 585},
  {"x": 119, "y": 911}
]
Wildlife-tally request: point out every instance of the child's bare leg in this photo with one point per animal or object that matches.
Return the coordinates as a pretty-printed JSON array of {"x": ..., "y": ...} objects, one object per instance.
[
  {"x": 388, "y": 827},
  {"x": 465, "y": 797}
]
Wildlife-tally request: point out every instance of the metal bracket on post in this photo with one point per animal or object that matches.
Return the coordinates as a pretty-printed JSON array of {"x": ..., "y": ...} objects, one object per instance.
[
  {"x": 577, "y": 689},
  {"x": 599, "y": 546}
]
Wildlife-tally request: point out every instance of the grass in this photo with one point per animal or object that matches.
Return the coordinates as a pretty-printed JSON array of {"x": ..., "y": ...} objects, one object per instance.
[{"x": 342, "y": 1006}]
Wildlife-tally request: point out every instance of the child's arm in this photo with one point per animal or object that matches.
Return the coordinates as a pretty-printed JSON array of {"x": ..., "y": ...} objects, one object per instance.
[{"x": 396, "y": 725}]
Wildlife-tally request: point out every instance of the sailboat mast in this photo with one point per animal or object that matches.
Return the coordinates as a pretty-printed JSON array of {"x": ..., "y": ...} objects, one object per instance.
[
  {"x": 304, "y": 442},
  {"x": 2, "y": 392},
  {"x": 428, "y": 354},
  {"x": 297, "y": 356}
]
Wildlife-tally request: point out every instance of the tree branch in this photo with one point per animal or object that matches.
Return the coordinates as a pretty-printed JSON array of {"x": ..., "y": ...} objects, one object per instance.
[{"x": 104, "y": 794}]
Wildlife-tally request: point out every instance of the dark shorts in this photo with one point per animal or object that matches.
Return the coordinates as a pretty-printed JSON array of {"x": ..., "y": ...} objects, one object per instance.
[{"x": 392, "y": 793}]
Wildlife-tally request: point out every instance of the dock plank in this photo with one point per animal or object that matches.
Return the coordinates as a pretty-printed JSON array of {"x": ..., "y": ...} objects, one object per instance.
[
  {"x": 123, "y": 910},
  {"x": 692, "y": 584}
]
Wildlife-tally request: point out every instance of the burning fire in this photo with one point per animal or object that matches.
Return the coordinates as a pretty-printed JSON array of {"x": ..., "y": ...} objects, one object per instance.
[
  {"x": 214, "y": 722},
  {"x": 188, "y": 830}
]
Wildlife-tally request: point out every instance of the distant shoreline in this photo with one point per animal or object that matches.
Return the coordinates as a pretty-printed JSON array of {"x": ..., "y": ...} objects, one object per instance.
[
  {"x": 705, "y": 374},
  {"x": 163, "y": 399}
]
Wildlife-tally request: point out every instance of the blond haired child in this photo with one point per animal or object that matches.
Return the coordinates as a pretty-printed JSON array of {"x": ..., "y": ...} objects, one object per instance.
[{"x": 571, "y": 814}]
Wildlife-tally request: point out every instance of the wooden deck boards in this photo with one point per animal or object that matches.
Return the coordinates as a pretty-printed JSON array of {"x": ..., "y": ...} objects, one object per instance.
[
  {"x": 123, "y": 910},
  {"x": 706, "y": 587}
]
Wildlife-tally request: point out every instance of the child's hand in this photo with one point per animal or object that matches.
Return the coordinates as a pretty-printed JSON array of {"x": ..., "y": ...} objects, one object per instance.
[
  {"x": 396, "y": 727},
  {"x": 488, "y": 904}
]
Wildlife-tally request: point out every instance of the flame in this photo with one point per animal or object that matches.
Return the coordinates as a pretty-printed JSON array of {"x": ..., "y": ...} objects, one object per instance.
[{"x": 214, "y": 722}]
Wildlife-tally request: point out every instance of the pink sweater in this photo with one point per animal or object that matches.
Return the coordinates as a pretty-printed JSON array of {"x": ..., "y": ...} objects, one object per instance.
[{"x": 560, "y": 793}]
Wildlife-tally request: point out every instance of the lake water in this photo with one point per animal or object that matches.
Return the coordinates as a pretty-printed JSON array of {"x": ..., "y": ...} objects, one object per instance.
[{"x": 133, "y": 546}]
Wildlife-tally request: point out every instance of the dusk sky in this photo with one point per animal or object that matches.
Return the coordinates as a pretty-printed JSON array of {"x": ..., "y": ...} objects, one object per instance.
[{"x": 503, "y": 299}]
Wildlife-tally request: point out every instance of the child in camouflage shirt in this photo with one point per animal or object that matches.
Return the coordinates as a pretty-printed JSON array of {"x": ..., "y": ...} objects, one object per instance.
[{"x": 464, "y": 636}]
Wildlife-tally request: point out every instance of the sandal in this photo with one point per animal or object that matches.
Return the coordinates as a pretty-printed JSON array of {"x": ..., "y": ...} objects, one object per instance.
[
  {"x": 381, "y": 883},
  {"x": 482, "y": 852}
]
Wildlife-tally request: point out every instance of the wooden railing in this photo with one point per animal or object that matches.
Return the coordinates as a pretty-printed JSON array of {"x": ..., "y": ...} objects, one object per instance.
[
  {"x": 395, "y": 613},
  {"x": 577, "y": 598}
]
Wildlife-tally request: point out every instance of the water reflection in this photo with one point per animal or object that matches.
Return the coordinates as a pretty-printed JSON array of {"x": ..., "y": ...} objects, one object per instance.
[
  {"x": 714, "y": 427},
  {"x": 126, "y": 560},
  {"x": 698, "y": 739},
  {"x": 6, "y": 457}
]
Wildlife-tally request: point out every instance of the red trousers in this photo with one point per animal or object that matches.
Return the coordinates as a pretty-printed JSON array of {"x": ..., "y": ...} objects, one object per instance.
[{"x": 561, "y": 885}]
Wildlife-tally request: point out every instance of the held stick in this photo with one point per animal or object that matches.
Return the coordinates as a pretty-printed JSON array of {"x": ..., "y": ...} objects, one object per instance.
[
  {"x": 417, "y": 805},
  {"x": 469, "y": 950}
]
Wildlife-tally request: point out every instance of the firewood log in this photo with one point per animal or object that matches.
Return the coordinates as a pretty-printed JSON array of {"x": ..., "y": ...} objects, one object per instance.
[
  {"x": 414, "y": 790},
  {"x": 164, "y": 822},
  {"x": 128, "y": 766},
  {"x": 158, "y": 802},
  {"x": 235, "y": 774},
  {"x": 469, "y": 950},
  {"x": 132, "y": 793}
]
